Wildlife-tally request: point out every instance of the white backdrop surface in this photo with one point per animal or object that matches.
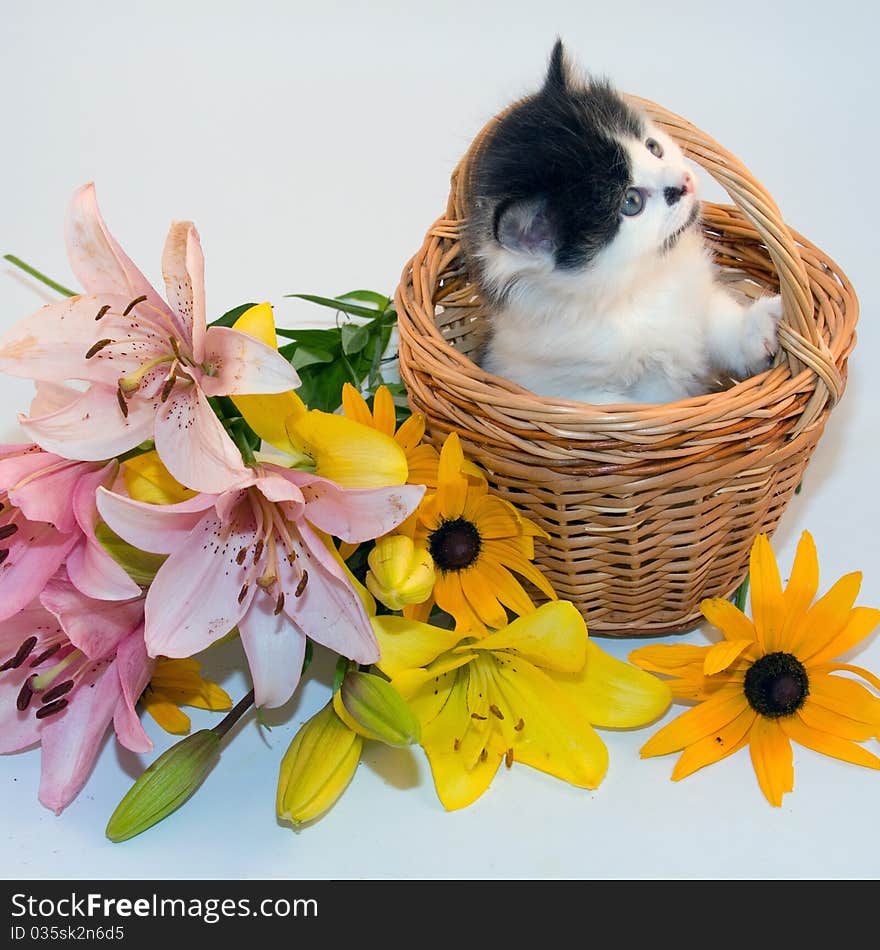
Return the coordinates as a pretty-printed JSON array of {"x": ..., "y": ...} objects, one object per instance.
[{"x": 312, "y": 146}]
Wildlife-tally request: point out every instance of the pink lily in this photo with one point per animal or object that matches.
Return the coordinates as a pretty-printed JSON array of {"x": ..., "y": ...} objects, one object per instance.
[
  {"x": 151, "y": 367},
  {"x": 73, "y": 667},
  {"x": 47, "y": 518},
  {"x": 251, "y": 557}
]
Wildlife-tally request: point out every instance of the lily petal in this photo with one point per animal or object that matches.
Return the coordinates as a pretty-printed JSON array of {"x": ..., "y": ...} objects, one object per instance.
[
  {"x": 194, "y": 446},
  {"x": 195, "y": 599},
  {"x": 35, "y": 554},
  {"x": 613, "y": 694},
  {"x": 71, "y": 740},
  {"x": 354, "y": 455},
  {"x": 556, "y": 737},
  {"x": 409, "y": 644},
  {"x": 92, "y": 427},
  {"x": 275, "y": 649},
  {"x": 554, "y": 637},
  {"x": 46, "y": 495},
  {"x": 356, "y": 514},
  {"x": 183, "y": 267},
  {"x": 98, "y": 262},
  {"x": 158, "y": 529},
  {"x": 244, "y": 365},
  {"x": 93, "y": 626},
  {"x": 133, "y": 667}
]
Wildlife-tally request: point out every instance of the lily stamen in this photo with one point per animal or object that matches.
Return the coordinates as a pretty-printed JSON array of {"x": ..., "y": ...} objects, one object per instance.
[{"x": 133, "y": 304}]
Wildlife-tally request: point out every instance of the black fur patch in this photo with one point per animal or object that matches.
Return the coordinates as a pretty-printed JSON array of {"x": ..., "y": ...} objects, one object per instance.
[{"x": 558, "y": 150}]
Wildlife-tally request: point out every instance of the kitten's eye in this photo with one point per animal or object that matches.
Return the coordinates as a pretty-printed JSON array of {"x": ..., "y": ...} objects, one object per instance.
[
  {"x": 633, "y": 202},
  {"x": 654, "y": 147}
]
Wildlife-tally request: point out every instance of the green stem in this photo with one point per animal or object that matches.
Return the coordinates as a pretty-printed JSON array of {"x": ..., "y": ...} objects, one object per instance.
[
  {"x": 234, "y": 714},
  {"x": 739, "y": 598},
  {"x": 141, "y": 449},
  {"x": 42, "y": 277},
  {"x": 239, "y": 437}
]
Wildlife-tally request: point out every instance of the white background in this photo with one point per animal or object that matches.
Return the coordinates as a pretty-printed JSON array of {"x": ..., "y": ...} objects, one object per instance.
[{"x": 313, "y": 147}]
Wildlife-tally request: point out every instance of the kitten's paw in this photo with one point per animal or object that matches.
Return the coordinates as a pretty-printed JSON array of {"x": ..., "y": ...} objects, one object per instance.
[{"x": 761, "y": 338}]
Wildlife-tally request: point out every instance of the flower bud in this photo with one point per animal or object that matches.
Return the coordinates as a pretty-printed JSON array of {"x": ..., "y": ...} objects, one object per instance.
[
  {"x": 400, "y": 572},
  {"x": 165, "y": 785},
  {"x": 317, "y": 767},
  {"x": 372, "y": 707}
]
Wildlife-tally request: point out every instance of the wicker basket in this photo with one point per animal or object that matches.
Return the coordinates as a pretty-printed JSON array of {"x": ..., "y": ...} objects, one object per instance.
[{"x": 649, "y": 508}]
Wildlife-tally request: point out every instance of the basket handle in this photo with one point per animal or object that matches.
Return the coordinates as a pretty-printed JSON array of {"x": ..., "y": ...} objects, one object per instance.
[{"x": 799, "y": 334}]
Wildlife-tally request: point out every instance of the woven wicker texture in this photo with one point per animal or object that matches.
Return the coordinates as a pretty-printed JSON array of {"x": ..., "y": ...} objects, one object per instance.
[{"x": 649, "y": 508}]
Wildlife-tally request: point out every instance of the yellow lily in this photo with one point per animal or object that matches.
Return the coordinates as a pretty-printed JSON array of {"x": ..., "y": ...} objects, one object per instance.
[
  {"x": 529, "y": 692},
  {"x": 341, "y": 449},
  {"x": 147, "y": 479}
]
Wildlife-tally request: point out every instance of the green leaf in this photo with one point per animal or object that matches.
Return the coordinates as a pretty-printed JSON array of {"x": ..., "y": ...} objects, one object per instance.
[
  {"x": 336, "y": 304},
  {"x": 302, "y": 356},
  {"x": 354, "y": 338},
  {"x": 140, "y": 566},
  {"x": 379, "y": 301},
  {"x": 231, "y": 316}
]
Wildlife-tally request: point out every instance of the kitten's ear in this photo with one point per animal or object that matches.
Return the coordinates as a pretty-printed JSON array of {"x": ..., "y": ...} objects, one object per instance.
[
  {"x": 558, "y": 72},
  {"x": 525, "y": 227}
]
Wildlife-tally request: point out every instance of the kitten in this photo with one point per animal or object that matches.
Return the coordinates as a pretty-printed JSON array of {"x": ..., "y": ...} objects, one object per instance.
[{"x": 583, "y": 238}]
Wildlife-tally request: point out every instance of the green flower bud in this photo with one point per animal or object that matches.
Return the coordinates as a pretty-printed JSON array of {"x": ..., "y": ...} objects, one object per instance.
[
  {"x": 317, "y": 767},
  {"x": 165, "y": 785},
  {"x": 371, "y": 706}
]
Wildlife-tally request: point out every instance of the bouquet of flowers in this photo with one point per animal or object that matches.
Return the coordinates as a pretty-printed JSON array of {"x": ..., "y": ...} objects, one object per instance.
[{"x": 188, "y": 483}]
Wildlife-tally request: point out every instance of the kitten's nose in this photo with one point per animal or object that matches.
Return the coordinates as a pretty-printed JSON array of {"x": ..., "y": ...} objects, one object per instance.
[{"x": 672, "y": 195}]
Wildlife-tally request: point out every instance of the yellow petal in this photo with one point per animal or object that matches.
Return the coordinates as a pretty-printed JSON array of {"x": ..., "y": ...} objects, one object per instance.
[
  {"x": 697, "y": 723},
  {"x": 772, "y": 758},
  {"x": 504, "y": 586},
  {"x": 723, "y": 654},
  {"x": 410, "y": 434},
  {"x": 457, "y": 785},
  {"x": 400, "y": 572},
  {"x": 818, "y": 717},
  {"x": 166, "y": 714},
  {"x": 450, "y": 597},
  {"x": 828, "y": 744},
  {"x": 555, "y": 736},
  {"x": 768, "y": 608},
  {"x": 481, "y": 598},
  {"x": 266, "y": 414},
  {"x": 844, "y": 696},
  {"x": 715, "y": 747},
  {"x": 354, "y": 455},
  {"x": 509, "y": 553},
  {"x": 728, "y": 618},
  {"x": 804, "y": 580},
  {"x": 861, "y": 621},
  {"x": 826, "y": 618},
  {"x": 408, "y": 644},
  {"x": 422, "y": 462},
  {"x": 147, "y": 479},
  {"x": 669, "y": 658},
  {"x": 554, "y": 637},
  {"x": 384, "y": 413},
  {"x": 355, "y": 406},
  {"x": 613, "y": 694}
]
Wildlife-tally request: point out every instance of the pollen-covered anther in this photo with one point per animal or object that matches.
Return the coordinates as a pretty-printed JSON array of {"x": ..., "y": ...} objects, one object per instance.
[
  {"x": 508, "y": 758},
  {"x": 51, "y": 709},
  {"x": 243, "y": 592},
  {"x": 45, "y": 655},
  {"x": 279, "y": 604},
  {"x": 496, "y": 712},
  {"x": 133, "y": 304},
  {"x": 456, "y": 745},
  {"x": 484, "y": 755},
  {"x": 4, "y": 553},
  {"x": 301, "y": 586},
  {"x": 56, "y": 692},
  {"x": 520, "y": 725},
  {"x": 120, "y": 398},
  {"x": 97, "y": 347},
  {"x": 242, "y": 554},
  {"x": 475, "y": 715},
  {"x": 25, "y": 694},
  {"x": 258, "y": 550},
  {"x": 23, "y": 652},
  {"x": 7, "y": 531},
  {"x": 102, "y": 311}
]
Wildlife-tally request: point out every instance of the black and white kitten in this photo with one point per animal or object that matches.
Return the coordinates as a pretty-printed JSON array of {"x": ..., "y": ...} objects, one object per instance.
[{"x": 583, "y": 239}]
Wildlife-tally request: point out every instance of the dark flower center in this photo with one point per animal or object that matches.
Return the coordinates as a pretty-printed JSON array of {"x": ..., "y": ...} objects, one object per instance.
[
  {"x": 455, "y": 545},
  {"x": 776, "y": 685}
]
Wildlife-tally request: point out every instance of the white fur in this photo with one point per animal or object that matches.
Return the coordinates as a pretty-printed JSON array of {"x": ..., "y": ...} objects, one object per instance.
[{"x": 637, "y": 324}]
